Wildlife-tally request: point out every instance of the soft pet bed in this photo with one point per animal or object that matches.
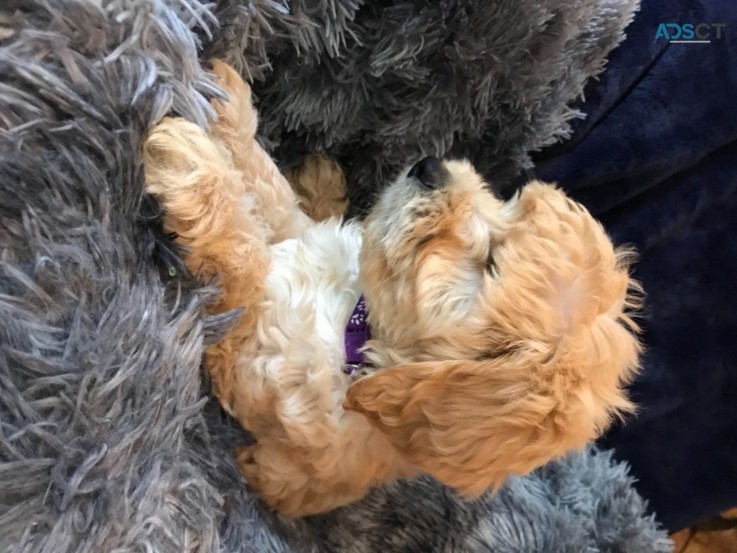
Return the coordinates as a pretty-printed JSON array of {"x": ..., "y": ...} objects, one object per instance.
[{"x": 108, "y": 441}]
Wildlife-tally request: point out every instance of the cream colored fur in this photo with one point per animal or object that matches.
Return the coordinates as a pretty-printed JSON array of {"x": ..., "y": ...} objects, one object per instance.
[{"x": 501, "y": 338}]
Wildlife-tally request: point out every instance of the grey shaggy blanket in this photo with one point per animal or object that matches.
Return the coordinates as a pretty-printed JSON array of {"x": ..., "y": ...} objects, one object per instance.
[{"x": 108, "y": 439}]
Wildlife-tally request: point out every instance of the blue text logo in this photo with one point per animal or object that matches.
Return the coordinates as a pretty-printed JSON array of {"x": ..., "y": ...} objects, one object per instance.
[{"x": 700, "y": 33}]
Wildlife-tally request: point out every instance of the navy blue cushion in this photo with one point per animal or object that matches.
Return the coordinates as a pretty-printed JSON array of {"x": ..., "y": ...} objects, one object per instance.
[{"x": 656, "y": 161}]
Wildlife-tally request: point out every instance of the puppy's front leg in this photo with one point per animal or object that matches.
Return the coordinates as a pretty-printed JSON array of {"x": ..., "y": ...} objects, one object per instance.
[
  {"x": 194, "y": 179},
  {"x": 321, "y": 186},
  {"x": 235, "y": 129}
]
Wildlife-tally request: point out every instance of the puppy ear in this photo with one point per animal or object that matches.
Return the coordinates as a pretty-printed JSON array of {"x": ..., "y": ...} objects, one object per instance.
[
  {"x": 457, "y": 420},
  {"x": 471, "y": 424}
]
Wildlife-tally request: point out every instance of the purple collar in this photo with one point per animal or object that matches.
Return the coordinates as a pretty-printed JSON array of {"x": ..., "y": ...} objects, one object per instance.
[{"x": 357, "y": 333}]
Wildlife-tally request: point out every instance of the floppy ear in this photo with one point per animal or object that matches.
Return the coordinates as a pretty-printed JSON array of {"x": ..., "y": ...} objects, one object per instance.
[
  {"x": 471, "y": 424},
  {"x": 464, "y": 422}
]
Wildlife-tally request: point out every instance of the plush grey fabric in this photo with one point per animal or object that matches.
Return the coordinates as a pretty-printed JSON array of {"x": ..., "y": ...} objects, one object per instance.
[
  {"x": 376, "y": 84},
  {"x": 108, "y": 440}
]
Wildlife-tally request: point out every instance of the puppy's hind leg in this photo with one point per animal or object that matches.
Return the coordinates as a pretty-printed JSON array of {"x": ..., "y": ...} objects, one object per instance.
[{"x": 286, "y": 483}]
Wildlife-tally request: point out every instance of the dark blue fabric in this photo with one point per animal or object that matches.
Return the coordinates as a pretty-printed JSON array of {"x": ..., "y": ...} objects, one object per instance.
[{"x": 656, "y": 161}]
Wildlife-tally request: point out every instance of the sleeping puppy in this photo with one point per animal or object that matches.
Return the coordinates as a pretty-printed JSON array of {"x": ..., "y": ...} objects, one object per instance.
[
  {"x": 501, "y": 327},
  {"x": 499, "y": 330}
]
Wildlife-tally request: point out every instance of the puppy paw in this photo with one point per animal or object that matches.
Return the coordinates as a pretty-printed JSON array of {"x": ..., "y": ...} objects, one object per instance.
[
  {"x": 194, "y": 181},
  {"x": 320, "y": 184},
  {"x": 182, "y": 163},
  {"x": 236, "y": 116}
]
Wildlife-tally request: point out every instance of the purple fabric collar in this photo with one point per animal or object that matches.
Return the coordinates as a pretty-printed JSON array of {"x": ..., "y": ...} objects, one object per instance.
[{"x": 357, "y": 333}]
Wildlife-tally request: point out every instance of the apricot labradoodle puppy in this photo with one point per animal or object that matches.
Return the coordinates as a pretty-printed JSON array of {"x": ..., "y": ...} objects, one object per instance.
[{"x": 499, "y": 334}]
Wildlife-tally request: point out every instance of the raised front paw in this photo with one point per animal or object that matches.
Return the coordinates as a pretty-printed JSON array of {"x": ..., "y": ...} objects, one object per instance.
[
  {"x": 177, "y": 155},
  {"x": 192, "y": 178},
  {"x": 236, "y": 116}
]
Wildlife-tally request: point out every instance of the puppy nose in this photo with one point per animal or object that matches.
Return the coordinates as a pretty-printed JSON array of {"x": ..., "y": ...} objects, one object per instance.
[{"x": 428, "y": 171}]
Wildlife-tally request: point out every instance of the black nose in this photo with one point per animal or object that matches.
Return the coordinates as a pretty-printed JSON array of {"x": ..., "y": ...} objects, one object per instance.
[{"x": 428, "y": 171}]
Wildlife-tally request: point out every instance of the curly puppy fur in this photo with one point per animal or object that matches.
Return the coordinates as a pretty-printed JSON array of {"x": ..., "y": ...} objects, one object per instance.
[
  {"x": 272, "y": 376},
  {"x": 501, "y": 338},
  {"x": 502, "y": 327},
  {"x": 226, "y": 202}
]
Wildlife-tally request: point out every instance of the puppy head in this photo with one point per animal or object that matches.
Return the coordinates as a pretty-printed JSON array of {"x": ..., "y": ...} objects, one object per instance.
[{"x": 502, "y": 325}]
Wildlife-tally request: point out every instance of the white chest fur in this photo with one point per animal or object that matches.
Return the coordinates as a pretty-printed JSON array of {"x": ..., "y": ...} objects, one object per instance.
[{"x": 311, "y": 291}]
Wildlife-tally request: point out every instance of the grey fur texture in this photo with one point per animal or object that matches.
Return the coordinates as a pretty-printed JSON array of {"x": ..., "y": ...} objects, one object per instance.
[{"x": 108, "y": 440}]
